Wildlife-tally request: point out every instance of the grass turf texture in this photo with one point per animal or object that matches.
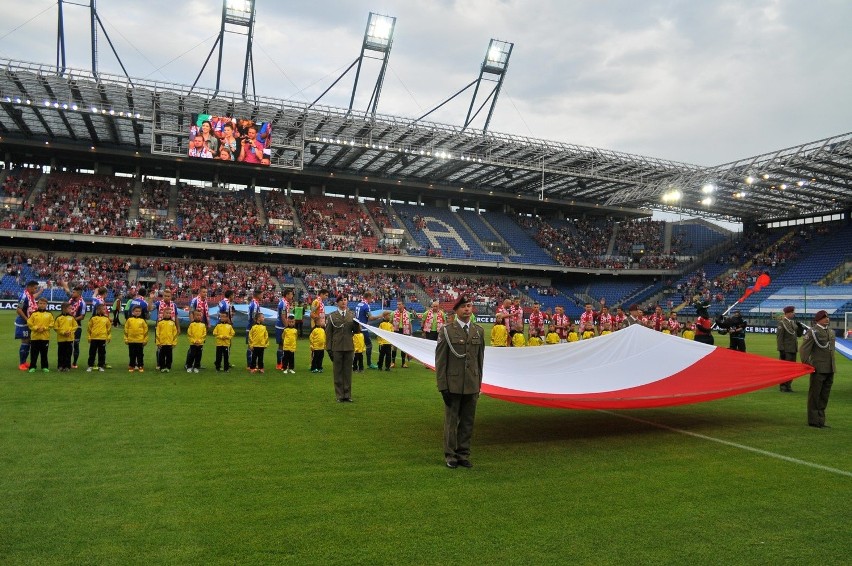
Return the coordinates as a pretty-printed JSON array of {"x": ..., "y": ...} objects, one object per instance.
[{"x": 245, "y": 468}]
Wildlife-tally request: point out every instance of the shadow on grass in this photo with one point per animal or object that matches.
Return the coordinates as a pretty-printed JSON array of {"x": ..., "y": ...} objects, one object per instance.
[{"x": 574, "y": 425}]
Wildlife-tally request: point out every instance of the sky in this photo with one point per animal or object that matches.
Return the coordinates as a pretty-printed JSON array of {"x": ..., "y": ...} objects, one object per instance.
[{"x": 698, "y": 81}]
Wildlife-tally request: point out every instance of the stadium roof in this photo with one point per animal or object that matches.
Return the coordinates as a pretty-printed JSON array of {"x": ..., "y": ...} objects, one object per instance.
[{"x": 39, "y": 102}]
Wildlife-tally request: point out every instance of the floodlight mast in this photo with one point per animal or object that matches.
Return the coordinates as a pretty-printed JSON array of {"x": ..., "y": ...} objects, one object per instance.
[
  {"x": 496, "y": 63},
  {"x": 239, "y": 14},
  {"x": 96, "y": 22},
  {"x": 378, "y": 37}
]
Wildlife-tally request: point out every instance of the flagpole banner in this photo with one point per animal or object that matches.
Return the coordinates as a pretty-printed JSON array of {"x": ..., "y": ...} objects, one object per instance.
[{"x": 634, "y": 368}]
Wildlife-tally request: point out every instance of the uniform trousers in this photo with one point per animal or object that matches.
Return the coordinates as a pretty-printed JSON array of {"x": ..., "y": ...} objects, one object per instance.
[
  {"x": 787, "y": 357},
  {"x": 818, "y": 393},
  {"x": 342, "y": 362},
  {"x": 458, "y": 425},
  {"x": 385, "y": 356},
  {"x": 97, "y": 348}
]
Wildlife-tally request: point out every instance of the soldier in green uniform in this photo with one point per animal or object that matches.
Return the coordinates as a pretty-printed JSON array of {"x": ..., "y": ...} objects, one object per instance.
[
  {"x": 459, "y": 355},
  {"x": 818, "y": 350},
  {"x": 787, "y": 339},
  {"x": 339, "y": 328}
]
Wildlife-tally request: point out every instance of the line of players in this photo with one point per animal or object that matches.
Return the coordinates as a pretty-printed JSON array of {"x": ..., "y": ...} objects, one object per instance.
[{"x": 545, "y": 328}]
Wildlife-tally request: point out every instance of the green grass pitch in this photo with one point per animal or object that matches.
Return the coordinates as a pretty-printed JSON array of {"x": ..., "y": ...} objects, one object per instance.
[{"x": 238, "y": 468}]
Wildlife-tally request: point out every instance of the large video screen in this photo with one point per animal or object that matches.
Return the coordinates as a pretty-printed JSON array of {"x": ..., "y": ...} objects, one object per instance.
[{"x": 223, "y": 138}]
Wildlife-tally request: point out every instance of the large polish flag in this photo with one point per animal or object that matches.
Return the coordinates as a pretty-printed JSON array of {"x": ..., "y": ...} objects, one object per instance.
[{"x": 634, "y": 368}]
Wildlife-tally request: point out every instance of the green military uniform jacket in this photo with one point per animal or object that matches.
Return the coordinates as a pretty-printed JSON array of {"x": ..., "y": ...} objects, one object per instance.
[
  {"x": 818, "y": 349},
  {"x": 338, "y": 331},
  {"x": 459, "y": 357},
  {"x": 787, "y": 336}
]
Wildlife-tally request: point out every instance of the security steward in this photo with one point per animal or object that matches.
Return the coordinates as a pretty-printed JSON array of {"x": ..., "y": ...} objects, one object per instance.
[
  {"x": 787, "y": 339},
  {"x": 339, "y": 328},
  {"x": 459, "y": 356},
  {"x": 817, "y": 349}
]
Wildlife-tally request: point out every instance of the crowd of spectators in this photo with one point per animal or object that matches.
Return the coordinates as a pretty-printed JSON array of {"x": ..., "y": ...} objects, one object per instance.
[
  {"x": 81, "y": 204},
  {"x": 154, "y": 195},
  {"x": 386, "y": 287},
  {"x": 90, "y": 271},
  {"x": 19, "y": 183},
  {"x": 648, "y": 233}
]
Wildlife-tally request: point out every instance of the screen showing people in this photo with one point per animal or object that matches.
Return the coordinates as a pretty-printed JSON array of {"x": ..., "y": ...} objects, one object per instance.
[{"x": 229, "y": 139}]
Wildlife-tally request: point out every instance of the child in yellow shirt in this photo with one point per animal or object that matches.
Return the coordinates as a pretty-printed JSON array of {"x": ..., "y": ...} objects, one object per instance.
[
  {"x": 258, "y": 341},
  {"x": 197, "y": 334},
  {"x": 290, "y": 336},
  {"x": 40, "y": 323},
  {"x": 224, "y": 332},
  {"x": 360, "y": 347},
  {"x": 606, "y": 329},
  {"x": 66, "y": 327},
  {"x": 385, "y": 348},
  {"x": 573, "y": 335},
  {"x": 589, "y": 332},
  {"x": 136, "y": 337},
  {"x": 534, "y": 339},
  {"x": 518, "y": 338},
  {"x": 499, "y": 334},
  {"x": 99, "y": 333},
  {"x": 166, "y": 337},
  {"x": 317, "y": 341},
  {"x": 551, "y": 337}
]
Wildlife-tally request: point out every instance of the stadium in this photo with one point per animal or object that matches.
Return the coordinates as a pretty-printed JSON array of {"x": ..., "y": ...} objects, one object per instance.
[{"x": 125, "y": 183}]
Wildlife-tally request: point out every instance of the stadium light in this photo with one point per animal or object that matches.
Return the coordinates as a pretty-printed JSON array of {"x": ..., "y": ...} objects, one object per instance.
[
  {"x": 379, "y": 32},
  {"x": 749, "y": 180},
  {"x": 707, "y": 201},
  {"x": 708, "y": 189}
]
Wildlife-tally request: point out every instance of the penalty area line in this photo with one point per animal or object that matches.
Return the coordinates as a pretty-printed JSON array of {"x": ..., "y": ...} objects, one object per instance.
[{"x": 734, "y": 445}]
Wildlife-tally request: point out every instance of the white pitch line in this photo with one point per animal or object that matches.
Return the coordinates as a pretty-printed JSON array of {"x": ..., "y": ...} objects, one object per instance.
[{"x": 734, "y": 444}]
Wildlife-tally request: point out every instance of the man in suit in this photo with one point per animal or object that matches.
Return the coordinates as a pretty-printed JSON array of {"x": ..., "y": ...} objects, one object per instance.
[
  {"x": 818, "y": 350},
  {"x": 339, "y": 328},
  {"x": 459, "y": 355},
  {"x": 787, "y": 338}
]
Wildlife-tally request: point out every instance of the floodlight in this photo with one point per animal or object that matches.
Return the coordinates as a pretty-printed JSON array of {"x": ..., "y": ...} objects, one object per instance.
[
  {"x": 765, "y": 176},
  {"x": 800, "y": 183},
  {"x": 749, "y": 180},
  {"x": 707, "y": 201},
  {"x": 497, "y": 56},
  {"x": 379, "y": 32},
  {"x": 783, "y": 186},
  {"x": 707, "y": 189}
]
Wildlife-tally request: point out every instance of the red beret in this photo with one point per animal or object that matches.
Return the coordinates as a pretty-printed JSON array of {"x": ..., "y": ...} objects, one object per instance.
[
  {"x": 463, "y": 300},
  {"x": 820, "y": 315},
  {"x": 789, "y": 309},
  {"x": 634, "y": 307}
]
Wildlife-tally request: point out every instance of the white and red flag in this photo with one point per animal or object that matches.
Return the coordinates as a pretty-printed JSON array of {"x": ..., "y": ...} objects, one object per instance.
[{"x": 634, "y": 368}]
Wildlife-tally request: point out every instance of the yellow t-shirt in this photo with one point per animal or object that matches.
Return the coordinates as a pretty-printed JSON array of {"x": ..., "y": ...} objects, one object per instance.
[
  {"x": 689, "y": 334},
  {"x": 289, "y": 338},
  {"x": 317, "y": 338},
  {"x": 588, "y": 334},
  {"x": 223, "y": 332},
  {"x": 65, "y": 326},
  {"x": 551, "y": 338},
  {"x": 604, "y": 332},
  {"x": 385, "y": 326},
  {"x": 166, "y": 333},
  {"x": 100, "y": 328},
  {"x": 358, "y": 343},
  {"x": 534, "y": 341},
  {"x": 258, "y": 336},
  {"x": 499, "y": 335},
  {"x": 518, "y": 340},
  {"x": 136, "y": 330},
  {"x": 197, "y": 333},
  {"x": 573, "y": 337},
  {"x": 40, "y": 323}
]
